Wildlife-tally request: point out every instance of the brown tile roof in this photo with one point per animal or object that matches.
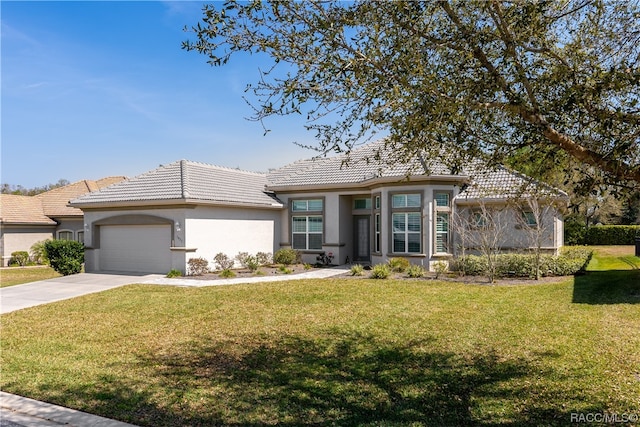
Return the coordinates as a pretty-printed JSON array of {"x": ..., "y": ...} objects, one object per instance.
[
  {"x": 54, "y": 202},
  {"x": 185, "y": 180},
  {"x": 22, "y": 210}
]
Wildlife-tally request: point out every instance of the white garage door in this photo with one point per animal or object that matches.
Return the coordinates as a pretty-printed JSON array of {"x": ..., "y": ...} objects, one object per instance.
[{"x": 135, "y": 248}]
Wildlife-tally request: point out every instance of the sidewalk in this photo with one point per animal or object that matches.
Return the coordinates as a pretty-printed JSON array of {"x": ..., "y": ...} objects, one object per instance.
[{"x": 18, "y": 411}]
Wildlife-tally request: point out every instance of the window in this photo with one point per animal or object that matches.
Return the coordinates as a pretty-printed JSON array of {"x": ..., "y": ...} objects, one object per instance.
[
  {"x": 80, "y": 236},
  {"x": 362, "y": 203},
  {"x": 405, "y": 201},
  {"x": 442, "y": 232},
  {"x": 306, "y": 205},
  {"x": 65, "y": 235},
  {"x": 478, "y": 219},
  {"x": 306, "y": 230},
  {"x": 442, "y": 208},
  {"x": 406, "y": 232},
  {"x": 377, "y": 202},
  {"x": 529, "y": 219},
  {"x": 376, "y": 246}
]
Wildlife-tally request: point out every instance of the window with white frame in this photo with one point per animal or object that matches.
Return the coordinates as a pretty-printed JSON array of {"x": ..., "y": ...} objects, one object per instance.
[
  {"x": 406, "y": 223},
  {"x": 377, "y": 225},
  {"x": 65, "y": 235},
  {"x": 442, "y": 207},
  {"x": 307, "y": 224}
]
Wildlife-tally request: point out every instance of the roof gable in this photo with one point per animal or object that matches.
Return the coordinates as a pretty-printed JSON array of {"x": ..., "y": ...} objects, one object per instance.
[{"x": 183, "y": 181}]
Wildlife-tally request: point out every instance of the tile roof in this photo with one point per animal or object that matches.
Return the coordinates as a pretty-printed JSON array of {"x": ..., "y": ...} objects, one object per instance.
[
  {"x": 54, "y": 202},
  {"x": 186, "y": 180},
  {"x": 22, "y": 210},
  {"x": 380, "y": 160},
  {"x": 374, "y": 160}
]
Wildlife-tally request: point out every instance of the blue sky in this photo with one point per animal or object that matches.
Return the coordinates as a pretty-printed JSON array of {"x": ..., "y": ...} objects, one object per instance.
[{"x": 94, "y": 89}]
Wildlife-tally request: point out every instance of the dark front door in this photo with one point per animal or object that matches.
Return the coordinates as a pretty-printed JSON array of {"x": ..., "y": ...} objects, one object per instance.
[{"x": 362, "y": 238}]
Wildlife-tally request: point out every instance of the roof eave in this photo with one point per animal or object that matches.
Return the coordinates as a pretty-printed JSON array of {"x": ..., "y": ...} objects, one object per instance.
[
  {"x": 369, "y": 183},
  {"x": 172, "y": 202}
]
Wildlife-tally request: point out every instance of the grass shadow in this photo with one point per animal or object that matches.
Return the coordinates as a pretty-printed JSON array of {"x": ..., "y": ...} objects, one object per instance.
[{"x": 607, "y": 287}]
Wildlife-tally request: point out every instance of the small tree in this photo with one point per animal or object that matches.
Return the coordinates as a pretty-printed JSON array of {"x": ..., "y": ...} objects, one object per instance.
[
  {"x": 533, "y": 215},
  {"x": 39, "y": 252},
  {"x": 65, "y": 256},
  {"x": 489, "y": 224}
]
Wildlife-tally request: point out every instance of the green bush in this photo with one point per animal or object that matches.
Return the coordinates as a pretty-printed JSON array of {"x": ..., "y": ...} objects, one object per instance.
[
  {"x": 399, "y": 265},
  {"x": 357, "y": 270},
  {"x": 39, "y": 253},
  {"x": 198, "y": 266},
  {"x": 380, "y": 271},
  {"x": 287, "y": 256},
  {"x": 20, "y": 258},
  {"x": 574, "y": 231},
  {"x": 415, "y": 271},
  {"x": 612, "y": 235},
  {"x": 227, "y": 273},
  {"x": 174, "y": 273},
  {"x": 65, "y": 256},
  {"x": 570, "y": 261}
]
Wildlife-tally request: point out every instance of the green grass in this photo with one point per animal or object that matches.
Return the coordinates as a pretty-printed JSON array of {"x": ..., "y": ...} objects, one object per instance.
[
  {"x": 335, "y": 352},
  {"x": 19, "y": 275}
]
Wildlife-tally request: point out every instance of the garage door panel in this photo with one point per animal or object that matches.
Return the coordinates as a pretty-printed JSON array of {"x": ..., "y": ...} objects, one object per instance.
[{"x": 135, "y": 248}]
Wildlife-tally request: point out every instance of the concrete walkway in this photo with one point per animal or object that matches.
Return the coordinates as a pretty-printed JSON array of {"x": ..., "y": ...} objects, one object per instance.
[{"x": 18, "y": 411}]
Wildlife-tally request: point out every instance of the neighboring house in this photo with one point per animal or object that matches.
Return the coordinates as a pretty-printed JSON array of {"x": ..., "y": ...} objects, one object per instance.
[
  {"x": 26, "y": 220},
  {"x": 358, "y": 208}
]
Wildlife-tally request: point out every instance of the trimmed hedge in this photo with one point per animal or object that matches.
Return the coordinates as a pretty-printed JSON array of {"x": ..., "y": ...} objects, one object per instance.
[
  {"x": 65, "y": 256},
  {"x": 612, "y": 235},
  {"x": 571, "y": 260}
]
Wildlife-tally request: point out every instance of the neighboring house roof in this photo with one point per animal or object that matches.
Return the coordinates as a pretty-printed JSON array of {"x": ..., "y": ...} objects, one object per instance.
[
  {"x": 54, "y": 202},
  {"x": 374, "y": 161},
  {"x": 22, "y": 210},
  {"x": 185, "y": 181}
]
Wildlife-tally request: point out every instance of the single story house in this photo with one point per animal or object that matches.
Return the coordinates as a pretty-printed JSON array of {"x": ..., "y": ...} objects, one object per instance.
[
  {"x": 25, "y": 220},
  {"x": 358, "y": 207}
]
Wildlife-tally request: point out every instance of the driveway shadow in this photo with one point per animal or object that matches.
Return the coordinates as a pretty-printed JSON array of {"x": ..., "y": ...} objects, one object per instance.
[{"x": 607, "y": 287}]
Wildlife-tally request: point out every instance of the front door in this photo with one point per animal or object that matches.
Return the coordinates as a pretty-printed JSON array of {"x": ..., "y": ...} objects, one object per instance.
[{"x": 362, "y": 238}]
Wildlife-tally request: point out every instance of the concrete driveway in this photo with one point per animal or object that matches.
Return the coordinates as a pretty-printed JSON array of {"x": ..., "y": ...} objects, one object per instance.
[{"x": 17, "y": 297}]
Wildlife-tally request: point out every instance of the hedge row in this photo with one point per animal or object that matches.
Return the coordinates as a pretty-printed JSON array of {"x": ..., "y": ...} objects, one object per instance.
[
  {"x": 570, "y": 261},
  {"x": 612, "y": 235}
]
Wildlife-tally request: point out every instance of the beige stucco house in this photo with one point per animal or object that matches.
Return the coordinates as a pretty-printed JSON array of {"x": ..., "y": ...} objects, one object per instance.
[
  {"x": 25, "y": 220},
  {"x": 359, "y": 207}
]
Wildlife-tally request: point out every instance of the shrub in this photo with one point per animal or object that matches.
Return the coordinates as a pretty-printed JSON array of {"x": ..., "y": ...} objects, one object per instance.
[
  {"x": 264, "y": 258},
  {"x": 227, "y": 273},
  {"x": 575, "y": 231},
  {"x": 612, "y": 235},
  {"x": 174, "y": 273},
  {"x": 287, "y": 256},
  {"x": 307, "y": 266},
  {"x": 380, "y": 271},
  {"x": 399, "y": 265},
  {"x": 39, "y": 253},
  {"x": 440, "y": 267},
  {"x": 223, "y": 262},
  {"x": 357, "y": 270},
  {"x": 242, "y": 258},
  {"x": 252, "y": 263},
  {"x": 415, "y": 271},
  {"x": 284, "y": 269},
  {"x": 472, "y": 265},
  {"x": 20, "y": 258},
  {"x": 65, "y": 256},
  {"x": 198, "y": 266}
]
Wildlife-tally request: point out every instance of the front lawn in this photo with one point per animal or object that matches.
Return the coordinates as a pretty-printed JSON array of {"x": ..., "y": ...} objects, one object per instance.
[
  {"x": 333, "y": 352},
  {"x": 19, "y": 275}
]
